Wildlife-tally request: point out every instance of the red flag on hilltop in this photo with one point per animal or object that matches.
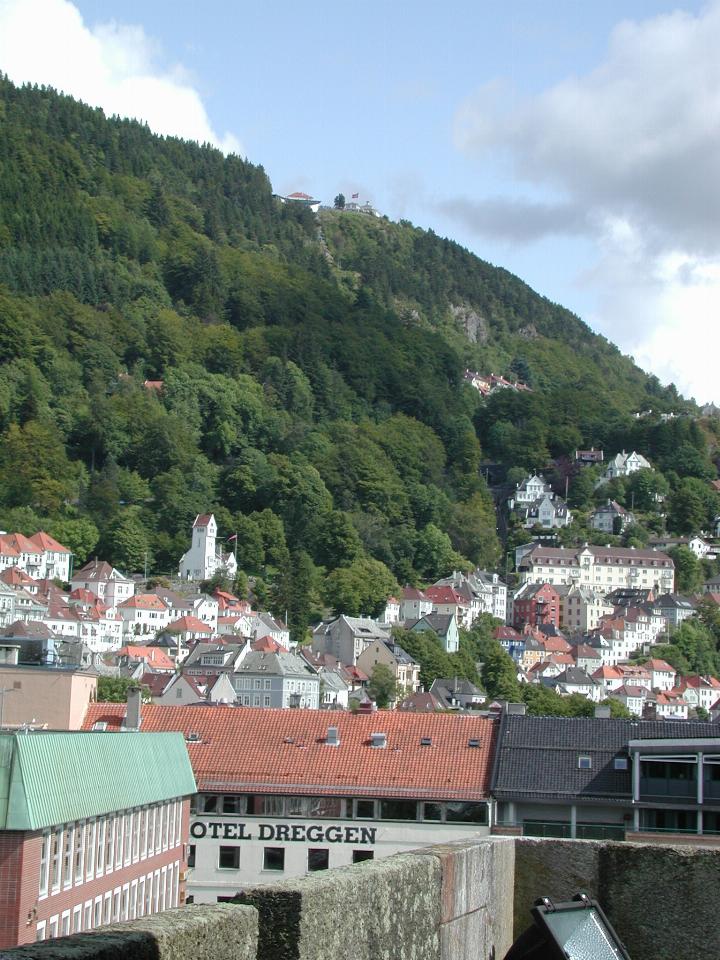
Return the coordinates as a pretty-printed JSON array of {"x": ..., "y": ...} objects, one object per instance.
[{"x": 233, "y": 537}]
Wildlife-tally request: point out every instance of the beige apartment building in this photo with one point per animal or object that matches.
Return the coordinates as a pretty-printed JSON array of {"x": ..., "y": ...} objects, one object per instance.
[
  {"x": 602, "y": 568},
  {"x": 41, "y": 696},
  {"x": 582, "y": 607}
]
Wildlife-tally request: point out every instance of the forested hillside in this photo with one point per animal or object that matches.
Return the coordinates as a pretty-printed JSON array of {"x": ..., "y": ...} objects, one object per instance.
[{"x": 311, "y": 392}]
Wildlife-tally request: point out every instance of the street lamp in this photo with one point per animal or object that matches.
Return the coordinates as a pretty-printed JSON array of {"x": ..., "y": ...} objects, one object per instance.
[{"x": 577, "y": 930}]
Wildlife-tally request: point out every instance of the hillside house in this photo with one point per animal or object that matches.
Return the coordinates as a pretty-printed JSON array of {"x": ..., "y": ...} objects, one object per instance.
[
  {"x": 611, "y": 518},
  {"x": 106, "y": 582},
  {"x": 392, "y": 655},
  {"x": 442, "y": 625}
]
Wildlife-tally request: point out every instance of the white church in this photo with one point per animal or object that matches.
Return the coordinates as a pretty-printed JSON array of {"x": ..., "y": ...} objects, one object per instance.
[{"x": 204, "y": 558}]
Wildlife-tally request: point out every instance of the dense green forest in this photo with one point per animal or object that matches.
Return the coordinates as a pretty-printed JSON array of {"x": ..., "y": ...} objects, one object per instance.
[{"x": 312, "y": 392}]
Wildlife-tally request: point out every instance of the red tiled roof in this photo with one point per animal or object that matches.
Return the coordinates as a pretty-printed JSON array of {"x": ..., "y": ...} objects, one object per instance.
[
  {"x": 45, "y": 542},
  {"x": 144, "y": 601},
  {"x": 659, "y": 665},
  {"x": 445, "y": 595},
  {"x": 266, "y": 645},
  {"x": 506, "y": 633},
  {"x": 153, "y": 384},
  {"x": 282, "y": 751},
  {"x": 202, "y": 519},
  {"x": 193, "y": 624},
  {"x": 14, "y": 577},
  {"x": 7, "y": 547},
  {"x": 154, "y": 656},
  {"x": 412, "y": 593},
  {"x": 22, "y": 543}
]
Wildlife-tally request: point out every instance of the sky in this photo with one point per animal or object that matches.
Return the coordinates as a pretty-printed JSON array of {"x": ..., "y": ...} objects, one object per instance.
[{"x": 575, "y": 143}]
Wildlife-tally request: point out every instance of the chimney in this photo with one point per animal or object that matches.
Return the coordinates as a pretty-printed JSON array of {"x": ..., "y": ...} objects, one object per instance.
[
  {"x": 602, "y": 711},
  {"x": 133, "y": 718}
]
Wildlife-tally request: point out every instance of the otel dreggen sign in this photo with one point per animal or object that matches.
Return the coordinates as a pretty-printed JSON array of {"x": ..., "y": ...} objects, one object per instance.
[{"x": 288, "y": 832}]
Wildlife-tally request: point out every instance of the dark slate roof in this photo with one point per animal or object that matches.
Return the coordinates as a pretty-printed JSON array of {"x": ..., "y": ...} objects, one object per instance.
[{"x": 537, "y": 757}]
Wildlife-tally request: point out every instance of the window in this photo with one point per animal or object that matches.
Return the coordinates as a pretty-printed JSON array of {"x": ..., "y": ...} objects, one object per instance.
[
  {"x": 110, "y": 843},
  {"x": 466, "y": 812},
  {"x": 620, "y": 763},
  {"x": 90, "y": 831},
  {"x": 268, "y": 806},
  {"x": 432, "y": 811},
  {"x": 40, "y": 931},
  {"x": 151, "y": 831},
  {"x": 273, "y": 858},
  {"x": 65, "y": 923},
  {"x": 398, "y": 810},
  {"x": 209, "y": 803},
  {"x": 229, "y": 858},
  {"x": 141, "y": 897},
  {"x": 232, "y": 804},
  {"x": 100, "y": 848},
  {"x": 67, "y": 857},
  {"x": 88, "y": 915},
  {"x": 53, "y": 926},
  {"x": 359, "y": 855},
  {"x": 77, "y": 919},
  {"x": 45, "y": 863},
  {"x": 266, "y": 701},
  {"x": 318, "y": 859},
  {"x": 79, "y": 851},
  {"x": 143, "y": 832},
  {"x": 107, "y": 908},
  {"x": 57, "y": 845},
  {"x": 364, "y": 809},
  {"x": 584, "y": 763},
  {"x": 191, "y": 855}
]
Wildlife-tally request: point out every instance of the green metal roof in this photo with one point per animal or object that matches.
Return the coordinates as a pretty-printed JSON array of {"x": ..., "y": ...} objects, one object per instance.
[{"x": 53, "y": 778}]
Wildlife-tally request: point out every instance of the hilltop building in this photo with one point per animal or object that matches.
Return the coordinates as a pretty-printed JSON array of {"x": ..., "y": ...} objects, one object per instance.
[{"x": 205, "y": 557}]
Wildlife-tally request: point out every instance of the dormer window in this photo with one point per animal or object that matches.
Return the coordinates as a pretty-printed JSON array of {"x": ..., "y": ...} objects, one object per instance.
[{"x": 584, "y": 763}]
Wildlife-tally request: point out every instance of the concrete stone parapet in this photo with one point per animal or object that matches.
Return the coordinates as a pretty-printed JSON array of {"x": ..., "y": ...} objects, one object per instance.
[
  {"x": 380, "y": 910},
  {"x": 476, "y": 918},
  {"x": 660, "y": 899},
  {"x": 222, "y": 932},
  {"x": 457, "y": 901}
]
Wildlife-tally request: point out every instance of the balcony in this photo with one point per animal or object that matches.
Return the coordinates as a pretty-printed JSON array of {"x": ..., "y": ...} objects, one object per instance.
[{"x": 451, "y": 902}]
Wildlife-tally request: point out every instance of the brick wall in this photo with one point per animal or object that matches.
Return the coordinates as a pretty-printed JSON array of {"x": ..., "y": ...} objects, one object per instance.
[{"x": 22, "y": 908}]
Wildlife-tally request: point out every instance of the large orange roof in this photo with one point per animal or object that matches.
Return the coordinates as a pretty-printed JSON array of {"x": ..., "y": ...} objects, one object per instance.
[{"x": 280, "y": 751}]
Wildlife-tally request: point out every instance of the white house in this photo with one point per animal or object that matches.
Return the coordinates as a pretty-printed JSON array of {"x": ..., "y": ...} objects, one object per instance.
[
  {"x": 205, "y": 557},
  {"x": 144, "y": 614},
  {"x": 623, "y": 464},
  {"x": 414, "y": 604},
  {"x": 662, "y": 675},
  {"x": 104, "y": 581}
]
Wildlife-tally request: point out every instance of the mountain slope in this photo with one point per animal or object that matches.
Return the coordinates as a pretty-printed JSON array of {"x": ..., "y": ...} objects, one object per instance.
[{"x": 314, "y": 402}]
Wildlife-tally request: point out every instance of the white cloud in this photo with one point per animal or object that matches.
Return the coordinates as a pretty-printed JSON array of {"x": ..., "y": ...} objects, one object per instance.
[
  {"x": 635, "y": 145},
  {"x": 113, "y": 66}
]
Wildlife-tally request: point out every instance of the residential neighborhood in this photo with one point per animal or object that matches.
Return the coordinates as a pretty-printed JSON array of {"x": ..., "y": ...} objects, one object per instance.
[{"x": 580, "y": 621}]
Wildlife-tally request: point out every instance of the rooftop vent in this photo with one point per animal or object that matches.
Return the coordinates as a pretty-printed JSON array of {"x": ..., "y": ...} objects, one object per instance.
[
  {"x": 333, "y": 737},
  {"x": 193, "y": 737},
  {"x": 473, "y": 742},
  {"x": 425, "y": 741},
  {"x": 378, "y": 739}
]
